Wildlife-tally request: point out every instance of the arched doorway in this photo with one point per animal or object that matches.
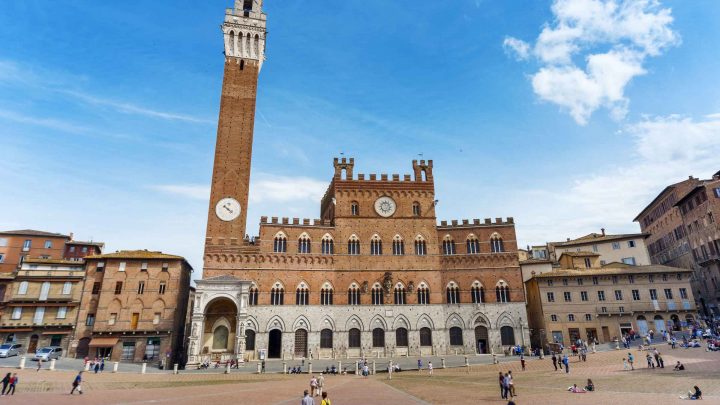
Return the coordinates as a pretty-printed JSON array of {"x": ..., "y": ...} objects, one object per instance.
[
  {"x": 507, "y": 336},
  {"x": 83, "y": 348},
  {"x": 275, "y": 344},
  {"x": 378, "y": 337},
  {"x": 218, "y": 337},
  {"x": 676, "y": 322},
  {"x": 32, "y": 347},
  {"x": 249, "y": 340},
  {"x": 425, "y": 337},
  {"x": 401, "y": 337},
  {"x": 481, "y": 339},
  {"x": 301, "y": 342},
  {"x": 642, "y": 325},
  {"x": 659, "y": 324}
]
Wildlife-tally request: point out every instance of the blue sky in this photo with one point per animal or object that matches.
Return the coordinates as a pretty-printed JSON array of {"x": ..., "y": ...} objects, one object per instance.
[{"x": 568, "y": 115}]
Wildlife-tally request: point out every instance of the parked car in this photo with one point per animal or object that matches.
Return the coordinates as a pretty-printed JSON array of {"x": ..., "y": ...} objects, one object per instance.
[
  {"x": 48, "y": 353},
  {"x": 10, "y": 349}
]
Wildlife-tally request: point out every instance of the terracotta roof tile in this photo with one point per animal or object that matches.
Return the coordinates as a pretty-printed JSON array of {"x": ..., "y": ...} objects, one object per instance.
[
  {"x": 136, "y": 254},
  {"x": 32, "y": 232},
  {"x": 653, "y": 268}
]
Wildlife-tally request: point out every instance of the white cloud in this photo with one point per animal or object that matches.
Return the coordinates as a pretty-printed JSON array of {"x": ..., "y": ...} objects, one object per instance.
[
  {"x": 264, "y": 188},
  {"x": 513, "y": 46},
  {"x": 667, "y": 150},
  {"x": 612, "y": 37}
]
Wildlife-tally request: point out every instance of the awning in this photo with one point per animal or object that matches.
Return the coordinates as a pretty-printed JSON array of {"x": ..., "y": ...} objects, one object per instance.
[
  {"x": 58, "y": 332},
  {"x": 103, "y": 341},
  {"x": 16, "y": 330}
]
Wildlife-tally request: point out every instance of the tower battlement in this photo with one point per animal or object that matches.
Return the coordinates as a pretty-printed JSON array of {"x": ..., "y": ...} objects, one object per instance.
[{"x": 465, "y": 223}]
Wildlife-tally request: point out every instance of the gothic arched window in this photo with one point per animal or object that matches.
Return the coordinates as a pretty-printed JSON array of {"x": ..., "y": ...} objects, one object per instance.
[
  {"x": 420, "y": 246},
  {"x": 423, "y": 294},
  {"x": 416, "y": 209},
  {"x": 277, "y": 295},
  {"x": 304, "y": 243},
  {"x": 473, "y": 245},
  {"x": 354, "y": 245},
  {"x": 326, "y": 294},
  {"x": 448, "y": 246},
  {"x": 496, "y": 244},
  {"x": 354, "y": 209},
  {"x": 280, "y": 243},
  {"x": 400, "y": 294},
  {"x": 353, "y": 294},
  {"x": 302, "y": 295},
  {"x": 253, "y": 299},
  {"x": 477, "y": 292},
  {"x": 398, "y": 246},
  {"x": 377, "y": 295},
  {"x": 502, "y": 292},
  {"x": 452, "y": 293},
  {"x": 375, "y": 245},
  {"x": 326, "y": 245}
]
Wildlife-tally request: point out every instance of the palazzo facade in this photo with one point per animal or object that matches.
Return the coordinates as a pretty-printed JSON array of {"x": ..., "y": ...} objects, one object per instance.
[{"x": 375, "y": 275}]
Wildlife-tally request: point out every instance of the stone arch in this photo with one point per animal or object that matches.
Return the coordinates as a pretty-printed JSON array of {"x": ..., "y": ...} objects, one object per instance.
[
  {"x": 301, "y": 322},
  {"x": 221, "y": 321},
  {"x": 327, "y": 323},
  {"x": 454, "y": 320},
  {"x": 448, "y": 237},
  {"x": 217, "y": 296},
  {"x": 276, "y": 322},
  {"x": 354, "y": 322},
  {"x": 480, "y": 319},
  {"x": 401, "y": 321},
  {"x": 424, "y": 321},
  {"x": 504, "y": 319},
  {"x": 251, "y": 323},
  {"x": 378, "y": 321}
]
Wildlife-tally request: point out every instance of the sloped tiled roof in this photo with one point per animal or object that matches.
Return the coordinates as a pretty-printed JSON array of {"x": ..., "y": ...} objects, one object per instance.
[
  {"x": 89, "y": 243},
  {"x": 32, "y": 232},
  {"x": 55, "y": 261},
  {"x": 136, "y": 254},
  {"x": 615, "y": 270},
  {"x": 579, "y": 254},
  {"x": 598, "y": 237}
]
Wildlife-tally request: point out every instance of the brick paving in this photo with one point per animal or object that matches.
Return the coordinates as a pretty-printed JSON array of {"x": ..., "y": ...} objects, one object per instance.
[{"x": 477, "y": 384}]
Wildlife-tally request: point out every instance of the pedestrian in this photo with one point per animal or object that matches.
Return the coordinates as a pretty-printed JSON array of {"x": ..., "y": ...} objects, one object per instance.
[
  {"x": 566, "y": 363},
  {"x": 625, "y": 364},
  {"x": 320, "y": 383},
  {"x": 650, "y": 363},
  {"x": 501, "y": 378},
  {"x": 307, "y": 399},
  {"x": 656, "y": 354},
  {"x": 554, "y": 361},
  {"x": 13, "y": 383},
  {"x": 6, "y": 382},
  {"x": 76, "y": 385},
  {"x": 102, "y": 364},
  {"x": 97, "y": 367},
  {"x": 313, "y": 386},
  {"x": 325, "y": 399},
  {"x": 522, "y": 362},
  {"x": 39, "y": 365},
  {"x": 430, "y": 369},
  {"x": 511, "y": 385},
  {"x": 366, "y": 370},
  {"x": 419, "y": 365},
  {"x": 631, "y": 360},
  {"x": 262, "y": 369},
  {"x": 506, "y": 386},
  {"x": 660, "y": 361}
]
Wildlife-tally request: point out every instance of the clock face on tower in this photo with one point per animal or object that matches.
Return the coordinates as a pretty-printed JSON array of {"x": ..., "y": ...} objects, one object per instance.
[
  {"x": 385, "y": 206},
  {"x": 227, "y": 209}
]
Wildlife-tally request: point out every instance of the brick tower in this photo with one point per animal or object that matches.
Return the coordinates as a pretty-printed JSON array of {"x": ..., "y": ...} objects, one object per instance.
[{"x": 244, "y": 37}]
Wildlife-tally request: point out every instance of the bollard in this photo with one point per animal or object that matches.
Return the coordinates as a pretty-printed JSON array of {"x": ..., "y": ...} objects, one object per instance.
[
  {"x": 339, "y": 369},
  {"x": 390, "y": 370},
  {"x": 87, "y": 366},
  {"x": 227, "y": 367},
  {"x": 259, "y": 367},
  {"x": 442, "y": 362},
  {"x": 144, "y": 367},
  {"x": 357, "y": 367},
  {"x": 309, "y": 367},
  {"x": 52, "y": 364},
  {"x": 175, "y": 368},
  {"x": 115, "y": 366},
  {"x": 373, "y": 368},
  {"x": 22, "y": 363},
  {"x": 284, "y": 367}
]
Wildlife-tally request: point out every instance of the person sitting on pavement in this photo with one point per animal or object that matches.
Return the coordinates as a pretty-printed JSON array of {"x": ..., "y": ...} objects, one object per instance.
[
  {"x": 590, "y": 386},
  {"x": 575, "y": 389},
  {"x": 679, "y": 366}
]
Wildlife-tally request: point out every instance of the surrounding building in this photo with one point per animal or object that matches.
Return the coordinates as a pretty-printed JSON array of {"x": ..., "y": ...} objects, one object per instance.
[
  {"x": 44, "y": 296},
  {"x": 670, "y": 244},
  {"x": 78, "y": 250},
  {"x": 16, "y": 246},
  {"x": 605, "y": 303},
  {"x": 374, "y": 275},
  {"x": 699, "y": 209},
  {"x": 133, "y": 307},
  {"x": 624, "y": 248}
]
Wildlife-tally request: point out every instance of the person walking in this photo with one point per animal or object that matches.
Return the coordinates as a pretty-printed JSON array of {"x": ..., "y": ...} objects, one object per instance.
[
  {"x": 631, "y": 360},
  {"x": 102, "y": 364},
  {"x": 501, "y": 379},
  {"x": 97, "y": 367},
  {"x": 649, "y": 359},
  {"x": 656, "y": 354},
  {"x": 320, "y": 384},
  {"x": 419, "y": 365},
  {"x": 262, "y": 367},
  {"x": 76, "y": 385},
  {"x": 5, "y": 382},
  {"x": 660, "y": 361},
  {"x": 522, "y": 362},
  {"x": 313, "y": 386},
  {"x": 325, "y": 399},
  {"x": 625, "y": 364},
  {"x": 430, "y": 369},
  {"x": 506, "y": 386},
  {"x": 554, "y": 361},
  {"x": 566, "y": 363},
  {"x": 13, "y": 382},
  {"x": 307, "y": 399},
  {"x": 39, "y": 365}
]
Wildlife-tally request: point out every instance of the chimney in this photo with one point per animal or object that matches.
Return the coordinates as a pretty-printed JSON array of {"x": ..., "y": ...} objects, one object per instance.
[
  {"x": 603, "y": 231},
  {"x": 568, "y": 239},
  {"x": 71, "y": 236}
]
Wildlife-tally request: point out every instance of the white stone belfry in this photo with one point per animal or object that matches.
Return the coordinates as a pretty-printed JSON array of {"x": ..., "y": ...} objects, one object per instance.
[{"x": 244, "y": 31}]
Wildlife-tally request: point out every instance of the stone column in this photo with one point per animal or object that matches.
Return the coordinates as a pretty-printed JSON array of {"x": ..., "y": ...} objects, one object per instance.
[
  {"x": 240, "y": 339},
  {"x": 196, "y": 338}
]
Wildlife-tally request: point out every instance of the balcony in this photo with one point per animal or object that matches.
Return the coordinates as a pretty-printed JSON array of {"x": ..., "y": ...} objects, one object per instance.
[{"x": 630, "y": 308}]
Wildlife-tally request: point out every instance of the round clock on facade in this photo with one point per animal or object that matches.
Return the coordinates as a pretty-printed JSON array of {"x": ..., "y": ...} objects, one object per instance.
[
  {"x": 227, "y": 209},
  {"x": 385, "y": 206}
]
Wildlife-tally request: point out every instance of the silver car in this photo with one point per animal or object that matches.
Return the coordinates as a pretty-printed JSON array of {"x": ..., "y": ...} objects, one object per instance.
[
  {"x": 48, "y": 353},
  {"x": 10, "y": 349}
]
